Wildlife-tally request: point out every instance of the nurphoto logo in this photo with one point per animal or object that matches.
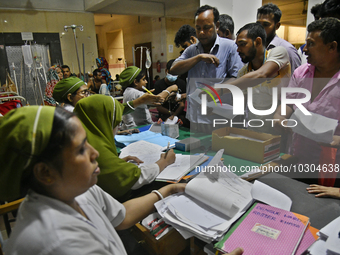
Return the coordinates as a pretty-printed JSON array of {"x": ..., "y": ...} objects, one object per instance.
[{"x": 239, "y": 99}]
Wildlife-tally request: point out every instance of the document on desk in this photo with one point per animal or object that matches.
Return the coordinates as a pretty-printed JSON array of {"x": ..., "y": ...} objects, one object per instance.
[
  {"x": 212, "y": 202},
  {"x": 266, "y": 194},
  {"x": 141, "y": 148},
  {"x": 315, "y": 127},
  {"x": 148, "y": 152},
  {"x": 183, "y": 165},
  {"x": 329, "y": 241},
  {"x": 209, "y": 205}
]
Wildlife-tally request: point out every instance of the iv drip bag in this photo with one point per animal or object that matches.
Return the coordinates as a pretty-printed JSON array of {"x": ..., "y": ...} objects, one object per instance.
[{"x": 26, "y": 51}]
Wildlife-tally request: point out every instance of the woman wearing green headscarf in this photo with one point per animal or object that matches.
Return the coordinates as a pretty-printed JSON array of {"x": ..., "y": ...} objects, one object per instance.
[
  {"x": 133, "y": 81},
  {"x": 44, "y": 153},
  {"x": 69, "y": 91},
  {"x": 100, "y": 116}
]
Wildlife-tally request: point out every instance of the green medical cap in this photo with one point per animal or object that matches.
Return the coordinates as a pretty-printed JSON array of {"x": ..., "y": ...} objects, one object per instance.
[
  {"x": 65, "y": 86},
  {"x": 24, "y": 133},
  {"x": 128, "y": 75}
]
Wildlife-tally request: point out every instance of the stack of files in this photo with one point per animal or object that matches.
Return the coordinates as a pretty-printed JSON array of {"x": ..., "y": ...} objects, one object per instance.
[
  {"x": 213, "y": 201},
  {"x": 183, "y": 165},
  {"x": 265, "y": 229},
  {"x": 329, "y": 240},
  {"x": 149, "y": 136},
  {"x": 208, "y": 206}
]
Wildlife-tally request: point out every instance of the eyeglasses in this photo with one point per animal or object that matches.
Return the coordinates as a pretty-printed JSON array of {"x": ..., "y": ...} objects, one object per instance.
[{"x": 85, "y": 92}]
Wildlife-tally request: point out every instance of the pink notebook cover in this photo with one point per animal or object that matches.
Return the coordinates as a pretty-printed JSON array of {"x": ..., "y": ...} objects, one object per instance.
[
  {"x": 307, "y": 240},
  {"x": 266, "y": 230}
]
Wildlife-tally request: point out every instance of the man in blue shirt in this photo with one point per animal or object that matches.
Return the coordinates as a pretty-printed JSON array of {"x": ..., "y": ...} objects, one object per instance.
[{"x": 211, "y": 57}]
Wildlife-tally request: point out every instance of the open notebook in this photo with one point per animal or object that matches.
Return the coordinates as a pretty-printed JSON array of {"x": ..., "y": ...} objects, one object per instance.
[
  {"x": 149, "y": 153},
  {"x": 183, "y": 165}
]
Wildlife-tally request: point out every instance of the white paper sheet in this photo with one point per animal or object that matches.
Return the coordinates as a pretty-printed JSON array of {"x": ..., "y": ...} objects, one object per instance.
[
  {"x": 315, "y": 127},
  {"x": 183, "y": 165},
  {"x": 141, "y": 148},
  {"x": 264, "y": 193}
]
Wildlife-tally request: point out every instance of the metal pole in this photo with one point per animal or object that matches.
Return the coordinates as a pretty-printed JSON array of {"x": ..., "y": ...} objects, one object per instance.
[
  {"x": 141, "y": 58},
  {"x": 75, "y": 40},
  {"x": 83, "y": 61},
  {"x": 133, "y": 56}
]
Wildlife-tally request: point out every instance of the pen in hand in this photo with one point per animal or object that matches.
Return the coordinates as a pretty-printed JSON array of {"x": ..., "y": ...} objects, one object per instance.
[
  {"x": 147, "y": 90},
  {"x": 167, "y": 150}
]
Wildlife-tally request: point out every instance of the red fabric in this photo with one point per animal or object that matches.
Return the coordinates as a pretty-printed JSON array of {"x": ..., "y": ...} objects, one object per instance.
[
  {"x": 327, "y": 160},
  {"x": 7, "y": 106}
]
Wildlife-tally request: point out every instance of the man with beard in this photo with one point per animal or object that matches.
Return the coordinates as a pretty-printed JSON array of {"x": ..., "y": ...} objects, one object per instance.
[
  {"x": 97, "y": 84},
  {"x": 264, "y": 70},
  {"x": 269, "y": 16}
]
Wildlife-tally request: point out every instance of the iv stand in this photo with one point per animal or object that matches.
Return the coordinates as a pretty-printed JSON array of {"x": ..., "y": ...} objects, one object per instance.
[
  {"x": 75, "y": 41},
  {"x": 141, "y": 61}
]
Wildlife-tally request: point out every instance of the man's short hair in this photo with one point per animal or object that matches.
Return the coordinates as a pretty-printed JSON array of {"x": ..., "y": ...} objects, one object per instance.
[
  {"x": 65, "y": 66},
  {"x": 330, "y": 30},
  {"x": 169, "y": 64},
  {"x": 254, "y": 30},
  {"x": 330, "y": 8},
  {"x": 95, "y": 72},
  {"x": 315, "y": 10},
  {"x": 226, "y": 22},
  {"x": 208, "y": 7},
  {"x": 183, "y": 34},
  {"x": 270, "y": 9}
]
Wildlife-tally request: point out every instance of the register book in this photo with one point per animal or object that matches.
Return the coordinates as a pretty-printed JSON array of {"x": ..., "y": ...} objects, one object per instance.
[{"x": 266, "y": 230}]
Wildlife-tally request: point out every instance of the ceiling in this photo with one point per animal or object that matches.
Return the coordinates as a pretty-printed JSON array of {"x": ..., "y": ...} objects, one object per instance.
[
  {"x": 294, "y": 11},
  {"x": 155, "y": 8}
]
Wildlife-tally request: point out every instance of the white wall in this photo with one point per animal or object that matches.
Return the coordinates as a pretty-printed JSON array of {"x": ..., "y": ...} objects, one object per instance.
[
  {"x": 311, "y": 3},
  {"x": 236, "y": 9}
]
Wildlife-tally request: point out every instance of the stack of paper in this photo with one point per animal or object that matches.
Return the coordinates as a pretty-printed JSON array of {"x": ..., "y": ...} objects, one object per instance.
[
  {"x": 329, "y": 241},
  {"x": 183, "y": 165},
  {"x": 213, "y": 201},
  {"x": 209, "y": 206}
]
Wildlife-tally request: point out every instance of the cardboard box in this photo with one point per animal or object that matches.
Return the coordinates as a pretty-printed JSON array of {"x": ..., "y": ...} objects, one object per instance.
[
  {"x": 246, "y": 144},
  {"x": 171, "y": 243}
]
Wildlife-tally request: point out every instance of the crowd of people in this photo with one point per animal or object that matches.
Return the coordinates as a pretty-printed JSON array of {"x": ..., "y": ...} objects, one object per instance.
[{"x": 63, "y": 157}]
